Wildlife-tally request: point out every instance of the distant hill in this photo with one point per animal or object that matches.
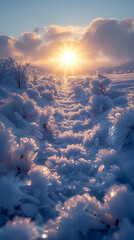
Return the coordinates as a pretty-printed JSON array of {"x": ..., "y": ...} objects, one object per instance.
[
  {"x": 40, "y": 69},
  {"x": 127, "y": 67}
]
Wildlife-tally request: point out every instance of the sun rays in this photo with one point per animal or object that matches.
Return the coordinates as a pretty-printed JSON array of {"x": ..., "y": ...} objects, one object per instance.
[{"x": 67, "y": 59}]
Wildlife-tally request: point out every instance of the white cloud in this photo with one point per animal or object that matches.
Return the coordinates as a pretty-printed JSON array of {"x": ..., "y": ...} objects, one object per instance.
[{"x": 104, "y": 41}]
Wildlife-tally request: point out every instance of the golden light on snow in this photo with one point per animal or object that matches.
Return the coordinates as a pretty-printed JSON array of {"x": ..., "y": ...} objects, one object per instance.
[
  {"x": 113, "y": 194},
  {"x": 29, "y": 183},
  {"x": 68, "y": 57},
  {"x": 44, "y": 235}
]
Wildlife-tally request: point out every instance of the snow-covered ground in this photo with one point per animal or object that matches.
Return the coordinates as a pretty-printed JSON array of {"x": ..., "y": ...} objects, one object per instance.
[{"x": 66, "y": 155}]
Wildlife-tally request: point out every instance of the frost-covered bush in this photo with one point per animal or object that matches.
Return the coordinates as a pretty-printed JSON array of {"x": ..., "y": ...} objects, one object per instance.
[
  {"x": 6, "y": 65},
  {"x": 100, "y": 85},
  {"x": 119, "y": 202},
  {"x": 125, "y": 232},
  {"x": 9, "y": 189},
  {"x": 44, "y": 119},
  {"x": 93, "y": 136},
  {"x": 8, "y": 144},
  {"x": 33, "y": 94},
  {"x": 104, "y": 169},
  {"x": 100, "y": 104},
  {"x": 20, "y": 74},
  {"x": 14, "y": 103},
  {"x": 11, "y": 68},
  {"x": 43, "y": 187},
  {"x": 18, "y": 157},
  {"x": 78, "y": 89},
  {"x": 73, "y": 222},
  {"x": 79, "y": 218},
  {"x": 24, "y": 155},
  {"x": 20, "y": 107},
  {"x": 31, "y": 110},
  {"x": 48, "y": 95},
  {"x": 121, "y": 132},
  {"x": 80, "y": 93},
  {"x": 83, "y": 216},
  {"x": 19, "y": 228},
  {"x": 39, "y": 180}
]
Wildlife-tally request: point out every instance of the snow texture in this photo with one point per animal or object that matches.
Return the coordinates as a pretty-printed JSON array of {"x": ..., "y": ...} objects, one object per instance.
[{"x": 66, "y": 155}]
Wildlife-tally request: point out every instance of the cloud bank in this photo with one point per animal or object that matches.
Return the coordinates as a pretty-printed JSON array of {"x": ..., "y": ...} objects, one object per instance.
[{"x": 103, "y": 42}]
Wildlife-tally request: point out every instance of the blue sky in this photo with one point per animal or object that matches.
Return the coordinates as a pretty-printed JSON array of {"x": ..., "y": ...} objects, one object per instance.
[{"x": 17, "y": 16}]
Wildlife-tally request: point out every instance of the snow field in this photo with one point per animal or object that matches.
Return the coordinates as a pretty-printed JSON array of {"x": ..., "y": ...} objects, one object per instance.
[{"x": 66, "y": 156}]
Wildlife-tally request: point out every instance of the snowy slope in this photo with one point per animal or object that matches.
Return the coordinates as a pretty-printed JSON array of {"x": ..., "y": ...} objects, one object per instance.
[
  {"x": 129, "y": 66},
  {"x": 66, "y": 156}
]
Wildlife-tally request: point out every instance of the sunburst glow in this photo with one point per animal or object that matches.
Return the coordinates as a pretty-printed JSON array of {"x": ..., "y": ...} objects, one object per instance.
[{"x": 68, "y": 57}]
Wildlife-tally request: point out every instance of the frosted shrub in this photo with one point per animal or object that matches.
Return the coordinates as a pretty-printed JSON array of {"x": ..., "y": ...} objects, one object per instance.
[
  {"x": 33, "y": 94},
  {"x": 13, "y": 104},
  {"x": 127, "y": 166},
  {"x": 30, "y": 109},
  {"x": 7, "y": 145},
  {"x": 39, "y": 180},
  {"x": 43, "y": 187},
  {"x": 73, "y": 221},
  {"x": 119, "y": 202},
  {"x": 79, "y": 91},
  {"x": 122, "y": 131},
  {"x": 9, "y": 190},
  {"x": 100, "y": 104},
  {"x": 100, "y": 85},
  {"x": 20, "y": 107},
  {"x": 35, "y": 74},
  {"x": 125, "y": 232},
  {"x": 48, "y": 95},
  {"x": 24, "y": 155},
  {"x": 43, "y": 120},
  {"x": 19, "y": 228},
  {"x": 5, "y": 66},
  {"x": 82, "y": 215},
  {"x": 93, "y": 136},
  {"x": 20, "y": 74},
  {"x": 20, "y": 156}
]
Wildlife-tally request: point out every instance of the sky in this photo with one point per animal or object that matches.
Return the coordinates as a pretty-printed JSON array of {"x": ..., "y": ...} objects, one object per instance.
[
  {"x": 17, "y": 16},
  {"x": 41, "y": 26}
]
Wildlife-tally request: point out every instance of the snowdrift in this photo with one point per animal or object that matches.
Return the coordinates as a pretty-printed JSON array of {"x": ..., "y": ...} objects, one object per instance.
[{"x": 66, "y": 155}]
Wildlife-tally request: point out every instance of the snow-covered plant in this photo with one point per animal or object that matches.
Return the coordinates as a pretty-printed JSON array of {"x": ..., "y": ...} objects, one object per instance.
[
  {"x": 9, "y": 189},
  {"x": 125, "y": 231},
  {"x": 24, "y": 155},
  {"x": 5, "y": 66},
  {"x": 19, "y": 228},
  {"x": 18, "y": 157},
  {"x": 20, "y": 74},
  {"x": 35, "y": 74},
  {"x": 100, "y": 104},
  {"x": 101, "y": 85},
  {"x": 20, "y": 105},
  {"x": 43, "y": 120},
  {"x": 10, "y": 67},
  {"x": 7, "y": 145},
  {"x": 82, "y": 216},
  {"x": 121, "y": 132}
]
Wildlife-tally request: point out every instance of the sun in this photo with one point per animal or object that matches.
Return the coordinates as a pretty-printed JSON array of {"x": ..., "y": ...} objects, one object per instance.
[{"x": 68, "y": 57}]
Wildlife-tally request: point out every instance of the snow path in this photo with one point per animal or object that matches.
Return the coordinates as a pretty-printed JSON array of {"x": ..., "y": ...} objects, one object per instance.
[
  {"x": 82, "y": 178},
  {"x": 66, "y": 153}
]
